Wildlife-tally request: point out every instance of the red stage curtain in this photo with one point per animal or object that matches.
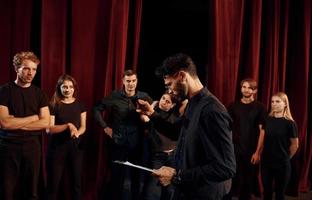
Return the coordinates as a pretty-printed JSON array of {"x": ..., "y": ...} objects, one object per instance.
[
  {"x": 269, "y": 41},
  {"x": 89, "y": 40},
  {"x": 95, "y": 40}
]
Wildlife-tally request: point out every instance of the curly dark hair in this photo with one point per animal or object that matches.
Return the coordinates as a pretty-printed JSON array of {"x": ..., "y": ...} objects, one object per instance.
[{"x": 174, "y": 64}]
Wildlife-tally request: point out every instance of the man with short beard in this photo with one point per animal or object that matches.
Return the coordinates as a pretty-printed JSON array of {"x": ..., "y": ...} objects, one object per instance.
[
  {"x": 205, "y": 161},
  {"x": 126, "y": 131},
  {"x": 24, "y": 116},
  {"x": 248, "y": 116}
]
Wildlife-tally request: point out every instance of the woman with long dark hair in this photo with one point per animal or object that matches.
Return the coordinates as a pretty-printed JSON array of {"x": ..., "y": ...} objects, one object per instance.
[{"x": 68, "y": 123}]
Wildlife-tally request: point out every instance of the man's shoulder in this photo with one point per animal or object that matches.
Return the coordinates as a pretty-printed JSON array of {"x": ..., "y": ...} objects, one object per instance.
[
  {"x": 37, "y": 90},
  {"x": 259, "y": 103},
  {"x": 35, "y": 87},
  {"x": 212, "y": 104}
]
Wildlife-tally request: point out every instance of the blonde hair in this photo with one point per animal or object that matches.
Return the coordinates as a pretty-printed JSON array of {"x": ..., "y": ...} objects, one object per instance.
[{"x": 284, "y": 98}]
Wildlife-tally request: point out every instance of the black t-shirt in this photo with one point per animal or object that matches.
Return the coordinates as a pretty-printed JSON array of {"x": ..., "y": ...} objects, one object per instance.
[
  {"x": 246, "y": 121},
  {"x": 66, "y": 113},
  {"x": 278, "y": 132},
  {"x": 22, "y": 102}
]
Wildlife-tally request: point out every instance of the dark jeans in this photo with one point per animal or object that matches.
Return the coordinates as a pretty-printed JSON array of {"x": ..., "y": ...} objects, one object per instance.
[
  {"x": 245, "y": 183},
  {"x": 153, "y": 190},
  {"x": 126, "y": 183},
  {"x": 280, "y": 176},
  {"x": 60, "y": 157},
  {"x": 19, "y": 168}
]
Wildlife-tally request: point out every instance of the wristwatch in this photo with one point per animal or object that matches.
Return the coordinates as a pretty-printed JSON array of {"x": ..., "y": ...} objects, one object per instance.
[{"x": 176, "y": 180}]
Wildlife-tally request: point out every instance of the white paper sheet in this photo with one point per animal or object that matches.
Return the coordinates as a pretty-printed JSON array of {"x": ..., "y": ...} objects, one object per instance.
[{"x": 133, "y": 165}]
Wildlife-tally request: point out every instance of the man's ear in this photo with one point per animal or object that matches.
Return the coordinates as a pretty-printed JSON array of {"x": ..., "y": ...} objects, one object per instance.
[{"x": 182, "y": 74}]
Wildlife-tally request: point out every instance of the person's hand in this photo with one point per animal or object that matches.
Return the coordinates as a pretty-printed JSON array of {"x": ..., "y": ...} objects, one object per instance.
[
  {"x": 108, "y": 131},
  {"x": 165, "y": 174},
  {"x": 144, "y": 118},
  {"x": 73, "y": 130},
  {"x": 255, "y": 158},
  {"x": 144, "y": 108}
]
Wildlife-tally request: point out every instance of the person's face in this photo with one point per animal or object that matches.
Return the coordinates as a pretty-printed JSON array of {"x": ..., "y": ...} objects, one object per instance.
[
  {"x": 277, "y": 104},
  {"x": 247, "y": 91},
  {"x": 67, "y": 89},
  {"x": 165, "y": 102},
  {"x": 176, "y": 86},
  {"x": 27, "y": 71},
  {"x": 130, "y": 83}
]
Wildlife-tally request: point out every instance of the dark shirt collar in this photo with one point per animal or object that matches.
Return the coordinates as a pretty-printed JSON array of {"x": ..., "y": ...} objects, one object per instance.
[
  {"x": 123, "y": 93},
  {"x": 203, "y": 92}
]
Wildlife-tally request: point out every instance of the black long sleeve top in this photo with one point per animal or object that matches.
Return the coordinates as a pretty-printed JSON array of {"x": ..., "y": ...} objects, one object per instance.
[
  {"x": 205, "y": 153},
  {"x": 123, "y": 118}
]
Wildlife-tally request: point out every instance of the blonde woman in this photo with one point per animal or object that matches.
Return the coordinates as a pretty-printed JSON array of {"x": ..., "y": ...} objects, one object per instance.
[{"x": 280, "y": 144}]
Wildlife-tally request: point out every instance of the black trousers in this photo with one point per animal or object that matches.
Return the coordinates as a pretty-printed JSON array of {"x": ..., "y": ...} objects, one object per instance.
[
  {"x": 153, "y": 190},
  {"x": 61, "y": 157},
  {"x": 19, "y": 168},
  {"x": 126, "y": 183},
  {"x": 245, "y": 183},
  {"x": 275, "y": 176}
]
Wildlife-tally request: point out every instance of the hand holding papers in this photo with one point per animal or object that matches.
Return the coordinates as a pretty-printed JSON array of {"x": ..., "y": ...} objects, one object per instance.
[{"x": 133, "y": 165}]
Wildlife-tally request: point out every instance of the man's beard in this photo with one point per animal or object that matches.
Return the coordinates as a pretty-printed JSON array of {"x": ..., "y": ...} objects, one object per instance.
[
  {"x": 248, "y": 95},
  {"x": 181, "y": 92},
  {"x": 24, "y": 80}
]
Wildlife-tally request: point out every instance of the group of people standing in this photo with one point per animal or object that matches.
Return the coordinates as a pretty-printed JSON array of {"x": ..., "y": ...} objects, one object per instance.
[
  {"x": 185, "y": 137},
  {"x": 260, "y": 137},
  {"x": 25, "y": 115}
]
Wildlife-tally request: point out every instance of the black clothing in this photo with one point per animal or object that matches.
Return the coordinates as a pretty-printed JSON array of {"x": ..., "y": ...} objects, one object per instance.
[
  {"x": 125, "y": 121},
  {"x": 153, "y": 189},
  {"x": 278, "y": 132},
  {"x": 246, "y": 181},
  {"x": 16, "y": 160},
  {"x": 277, "y": 176},
  {"x": 127, "y": 143},
  {"x": 64, "y": 152},
  {"x": 65, "y": 113},
  {"x": 20, "y": 150},
  {"x": 246, "y": 121},
  {"x": 158, "y": 141},
  {"x": 22, "y": 102},
  {"x": 275, "y": 160},
  {"x": 205, "y": 154},
  {"x": 162, "y": 154}
]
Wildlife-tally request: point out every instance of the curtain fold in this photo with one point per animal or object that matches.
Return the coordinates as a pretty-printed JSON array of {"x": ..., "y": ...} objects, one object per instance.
[
  {"x": 273, "y": 48},
  {"x": 95, "y": 40},
  {"x": 15, "y": 34},
  {"x": 89, "y": 40}
]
